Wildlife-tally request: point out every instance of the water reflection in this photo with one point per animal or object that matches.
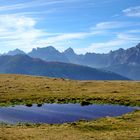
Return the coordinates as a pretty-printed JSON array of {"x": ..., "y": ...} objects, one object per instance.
[{"x": 59, "y": 113}]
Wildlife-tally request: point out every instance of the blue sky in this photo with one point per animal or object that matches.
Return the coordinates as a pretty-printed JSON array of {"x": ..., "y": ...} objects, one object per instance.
[{"x": 85, "y": 25}]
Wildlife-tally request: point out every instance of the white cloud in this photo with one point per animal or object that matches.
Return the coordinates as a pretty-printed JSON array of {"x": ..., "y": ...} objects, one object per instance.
[
  {"x": 134, "y": 31},
  {"x": 20, "y": 32},
  {"x": 114, "y": 25},
  {"x": 128, "y": 37},
  {"x": 29, "y": 4},
  {"x": 132, "y": 11},
  {"x": 70, "y": 36},
  {"x": 59, "y": 39},
  {"x": 34, "y": 3},
  {"x": 123, "y": 40},
  {"x": 13, "y": 21},
  {"x": 105, "y": 46},
  {"x": 109, "y": 25}
]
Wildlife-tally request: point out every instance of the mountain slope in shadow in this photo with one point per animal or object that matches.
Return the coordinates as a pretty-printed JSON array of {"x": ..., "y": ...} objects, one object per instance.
[{"x": 23, "y": 64}]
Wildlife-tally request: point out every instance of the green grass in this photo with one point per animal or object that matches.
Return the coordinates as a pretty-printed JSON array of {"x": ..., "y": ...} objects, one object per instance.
[
  {"x": 18, "y": 89},
  {"x": 121, "y": 128}
]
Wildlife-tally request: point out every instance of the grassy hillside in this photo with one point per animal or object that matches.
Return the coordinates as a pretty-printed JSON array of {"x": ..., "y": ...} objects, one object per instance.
[
  {"x": 23, "y": 64},
  {"x": 27, "y": 89}
]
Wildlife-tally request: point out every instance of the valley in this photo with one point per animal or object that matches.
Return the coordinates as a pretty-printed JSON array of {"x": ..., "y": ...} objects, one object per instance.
[{"x": 124, "y": 62}]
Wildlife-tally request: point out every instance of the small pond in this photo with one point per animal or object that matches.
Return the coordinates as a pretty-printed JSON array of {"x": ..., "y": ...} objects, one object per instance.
[{"x": 59, "y": 113}]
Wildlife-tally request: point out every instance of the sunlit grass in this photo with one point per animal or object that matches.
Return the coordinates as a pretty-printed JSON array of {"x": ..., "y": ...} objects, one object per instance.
[
  {"x": 18, "y": 89},
  {"x": 120, "y": 128}
]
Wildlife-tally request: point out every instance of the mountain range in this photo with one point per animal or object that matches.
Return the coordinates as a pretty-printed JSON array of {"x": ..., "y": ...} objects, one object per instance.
[
  {"x": 123, "y": 62},
  {"x": 24, "y": 64}
]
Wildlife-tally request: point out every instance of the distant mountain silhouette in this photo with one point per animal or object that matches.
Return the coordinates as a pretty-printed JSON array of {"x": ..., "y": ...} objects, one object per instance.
[
  {"x": 48, "y": 54},
  {"x": 126, "y": 62},
  {"x": 15, "y": 52},
  {"x": 114, "y": 60},
  {"x": 120, "y": 56},
  {"x": 71, "y": 56},
  {"x": 123, "y": 62},
  {"x": 129, "y": 70},
  {"x": 23, "y": 64}
]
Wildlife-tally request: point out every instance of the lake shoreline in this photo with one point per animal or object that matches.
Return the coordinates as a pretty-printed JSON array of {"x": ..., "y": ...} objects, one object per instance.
[
  {"x": 118, "y": 127},
  {"x": 27, "y": 90},
  {"x": 60, "y": 113}
]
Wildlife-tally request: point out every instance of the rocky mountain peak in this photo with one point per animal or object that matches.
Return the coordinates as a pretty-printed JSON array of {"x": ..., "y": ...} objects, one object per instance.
[
  {"x": 15, "y": 52},
  {"x": 69, "y": 51}
]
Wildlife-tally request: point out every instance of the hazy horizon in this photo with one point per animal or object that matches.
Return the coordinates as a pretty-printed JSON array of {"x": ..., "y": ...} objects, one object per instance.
[{"x": 26, "y": 52}]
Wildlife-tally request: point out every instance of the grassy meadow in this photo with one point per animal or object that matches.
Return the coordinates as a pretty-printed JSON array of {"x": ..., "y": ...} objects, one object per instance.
[
  {"x": 18, "y": 89},
  {"x": 121, "y": 128}
]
